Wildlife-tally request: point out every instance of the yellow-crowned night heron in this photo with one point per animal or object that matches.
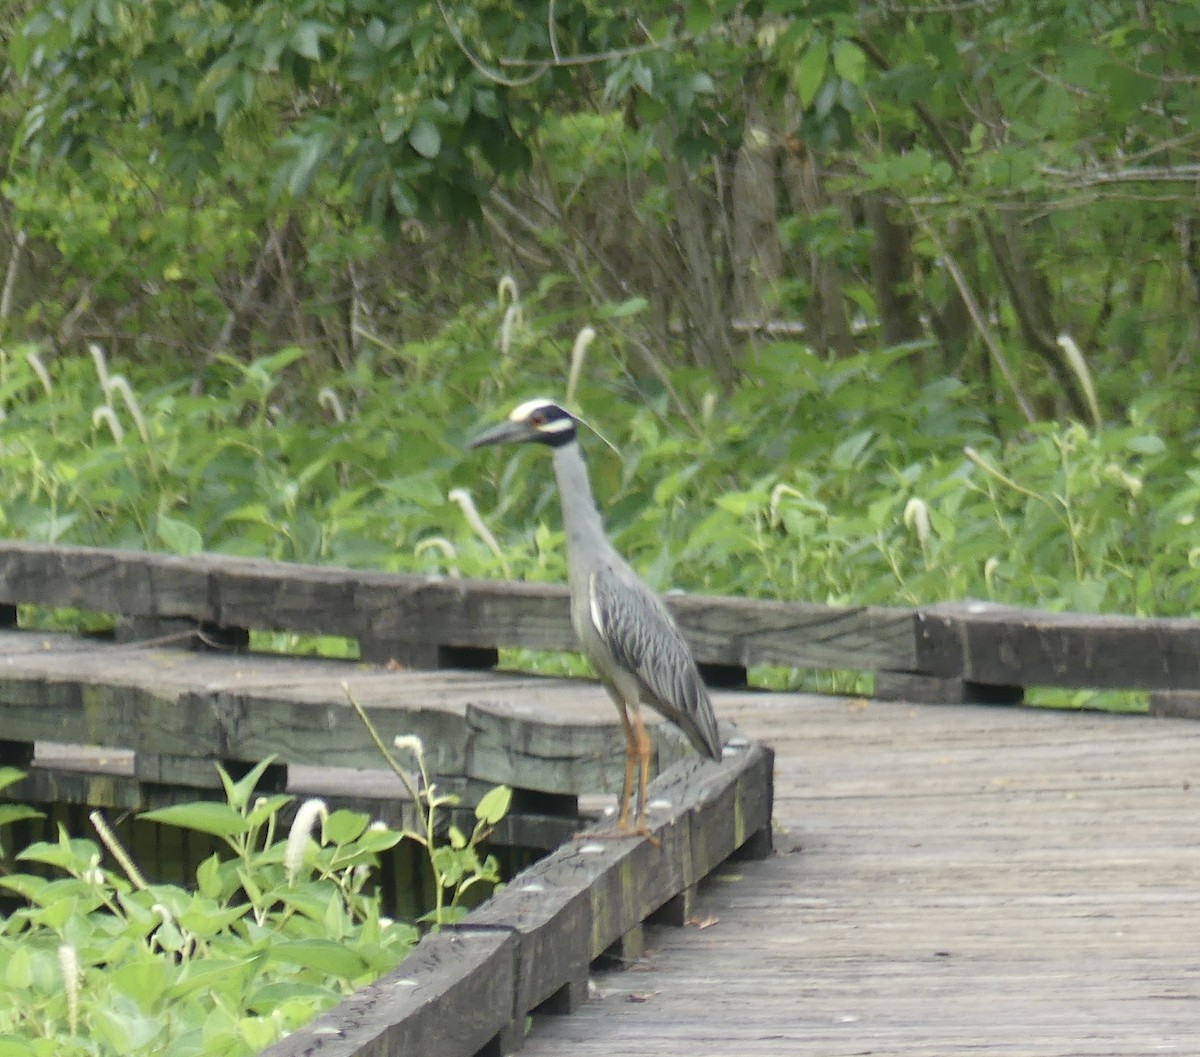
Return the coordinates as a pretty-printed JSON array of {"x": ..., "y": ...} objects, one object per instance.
[{"x": 624, "y": 629}]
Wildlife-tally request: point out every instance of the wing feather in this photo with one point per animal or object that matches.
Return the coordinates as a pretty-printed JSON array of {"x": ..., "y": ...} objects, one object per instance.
[{"x": 643, "y": 638}]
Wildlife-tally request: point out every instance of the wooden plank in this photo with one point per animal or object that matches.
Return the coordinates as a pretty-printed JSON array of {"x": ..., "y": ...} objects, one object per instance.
[
  {"x": 430, "y": 621},
  {"x": 514, "y": 743},
  {"x": 1178, "y": 704},
  {"x": 942, "y": 690},
  {"x": 533, "y": 941},
  {"x": 950, "y": 880},
  {"x": 743, "y": 632},
  {"x": 449, "y": 998},
  {"x": 171, "y": 706},
  {"x": 550, "y": 922},
  {"x": 1006, "y": 646}
]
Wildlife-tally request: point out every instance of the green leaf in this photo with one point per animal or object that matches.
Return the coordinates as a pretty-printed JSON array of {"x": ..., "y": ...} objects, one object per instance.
[
  {"x": 204, "y": 816},
  {"x": 425, "y": 138},
  {"x": 456, "y": 837},
  {"x": 17, "y": 813},
  {"x": 493, "y": 805},
  {"x": 71, "y": 854},
  {"x": 10, "y": 775},
  {"x": 311, "y": 151},
  {"x": 849, "y": 62},
  {"x": 1148, "y": 444},
  {"x": 624, "y": 309},
  {"x": 377, "y": 840},
  {"x": 178, "y": 536},
  {"x": 325, "y": 956},
  {"x": 208, "y": 877},
  {"x": 270, "y": 996},
  {"x": 810, "y": 71},
  {"x": 142, "y": 980},
  {"x": 343, "y": 826},
  {"x": 306, "y": 40},
  {"x": 238, "y": 793},
  {"x": 448, "y": 865}
]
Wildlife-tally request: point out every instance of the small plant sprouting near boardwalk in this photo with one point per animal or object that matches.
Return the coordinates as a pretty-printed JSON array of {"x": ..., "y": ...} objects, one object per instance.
[
  {"x": 280, "y": 927},
  {"x": 457, "y": 867}
]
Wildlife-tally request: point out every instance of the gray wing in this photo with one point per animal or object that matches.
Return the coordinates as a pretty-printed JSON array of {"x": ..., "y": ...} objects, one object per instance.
[{"x": 644, "y": 639}]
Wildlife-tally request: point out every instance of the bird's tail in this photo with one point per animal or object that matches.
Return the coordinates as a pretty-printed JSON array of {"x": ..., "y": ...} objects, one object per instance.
[{"x": 700, "y": 725}]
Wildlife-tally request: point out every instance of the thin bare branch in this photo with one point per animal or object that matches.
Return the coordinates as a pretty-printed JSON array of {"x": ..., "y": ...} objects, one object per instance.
[
  {"x": 1188, "y": 174},
  {"x": 977, "y": 317}
]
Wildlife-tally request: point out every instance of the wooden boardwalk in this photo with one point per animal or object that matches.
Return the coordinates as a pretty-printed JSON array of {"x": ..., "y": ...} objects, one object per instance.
[{"x": 948, "y": 880}]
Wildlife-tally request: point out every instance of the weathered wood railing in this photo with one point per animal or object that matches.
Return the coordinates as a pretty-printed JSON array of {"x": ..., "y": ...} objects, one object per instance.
[
  {"x": 469, "y": 990},
  {"x": 949, "y": 652}
]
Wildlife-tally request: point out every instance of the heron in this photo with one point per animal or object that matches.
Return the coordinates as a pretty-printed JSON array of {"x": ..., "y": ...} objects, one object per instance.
[{"x": 624, "y": 630}]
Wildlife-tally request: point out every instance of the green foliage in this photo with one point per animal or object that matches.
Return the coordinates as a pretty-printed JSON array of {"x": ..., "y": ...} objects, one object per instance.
[
  {"x": 843, "y": 481},
  {"x": 456, "y": 864},
  {"x": 99, "y": 962}
]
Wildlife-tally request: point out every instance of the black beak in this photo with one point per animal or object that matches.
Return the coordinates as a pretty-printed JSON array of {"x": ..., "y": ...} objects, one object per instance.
[{"x": 504, "y": 433}]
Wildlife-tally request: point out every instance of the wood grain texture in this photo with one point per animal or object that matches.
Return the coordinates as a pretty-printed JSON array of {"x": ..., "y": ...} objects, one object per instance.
[
  {"x": 1006, "y": 646},
  {"x": 427, "y": 621},
  {"x": 533, "y": 941},
  {"x": 449, "y": 998},
  {"x": 1003, "y": 882},
  {"x": 172, "y": 706}
]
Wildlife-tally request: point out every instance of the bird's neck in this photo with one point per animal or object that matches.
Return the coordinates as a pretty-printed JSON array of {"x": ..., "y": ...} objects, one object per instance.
[{"x": 581, "y": 519}]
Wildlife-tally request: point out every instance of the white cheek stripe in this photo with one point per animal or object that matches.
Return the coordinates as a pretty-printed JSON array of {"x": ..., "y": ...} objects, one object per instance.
[{"x": 559, "y": 425}]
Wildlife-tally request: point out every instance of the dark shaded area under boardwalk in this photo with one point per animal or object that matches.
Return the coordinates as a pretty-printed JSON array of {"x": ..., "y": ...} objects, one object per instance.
[{"x": 949, "y": 880}]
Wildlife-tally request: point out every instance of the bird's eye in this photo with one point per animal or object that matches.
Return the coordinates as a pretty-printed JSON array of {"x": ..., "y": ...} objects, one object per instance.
[{"x": 538, "y": 418}]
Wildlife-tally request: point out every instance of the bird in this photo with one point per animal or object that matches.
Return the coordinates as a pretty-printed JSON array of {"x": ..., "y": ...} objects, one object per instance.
[{"x": 624, "y": 630}]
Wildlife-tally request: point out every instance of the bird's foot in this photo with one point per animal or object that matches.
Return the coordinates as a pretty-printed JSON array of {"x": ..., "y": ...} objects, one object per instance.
[{"x": 619, "y": 832}]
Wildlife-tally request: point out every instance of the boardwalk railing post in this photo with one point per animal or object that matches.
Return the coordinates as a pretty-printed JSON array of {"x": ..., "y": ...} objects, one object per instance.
[{"x": 940, "y": 673}]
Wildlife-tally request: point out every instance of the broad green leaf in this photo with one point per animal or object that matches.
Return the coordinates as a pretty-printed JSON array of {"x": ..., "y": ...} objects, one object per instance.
[
  {"x": 425, "y": 138},
  {"x": 213, "y": 973},
  {"x": 258, "y": 1032},
  {"x": 449, "y": 865},
  {"x": 493, "y": 805},
  {"x": 142, "y": 979},
  {"x": 18, "y": 970},
  {"x": 1147, "y": 444},
  {"x": 343, "y": 826},
  {"x": 306, "y": 40},
  {"x": 67, "y": 853},
  {"x": 377, "y": 840},
  {"x": 810, "y": 71},
  {"x": 9, "y": 776},
  {"x": 17, "y": 813},
  {"x": 325, "y": 956},
  {"x": 270, "y": 996},
  {"x": 208, "y": 877},
  {"x": 849, "y": 62},
  {"x": 178, "y": 536},
  {"x": 203, "y": 816}
]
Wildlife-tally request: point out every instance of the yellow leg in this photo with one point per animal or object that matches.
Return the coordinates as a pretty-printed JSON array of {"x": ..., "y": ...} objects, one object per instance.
[
  {"x": 644, "y": 750},
  {"x": 631, "y": 761}
]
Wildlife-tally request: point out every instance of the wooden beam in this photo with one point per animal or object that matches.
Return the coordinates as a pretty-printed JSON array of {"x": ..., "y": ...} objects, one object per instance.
[
  {"x": 180, "y": 711},
  {"x": 423, "y": 621},
  {"x": 450, "y": 998},
  {"x": 538, "y": 935},
  {"x": 1005, "y": 646}
]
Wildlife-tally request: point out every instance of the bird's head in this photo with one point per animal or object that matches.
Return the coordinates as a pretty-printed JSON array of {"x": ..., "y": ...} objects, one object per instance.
[{"x": 539, "y": 420}]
